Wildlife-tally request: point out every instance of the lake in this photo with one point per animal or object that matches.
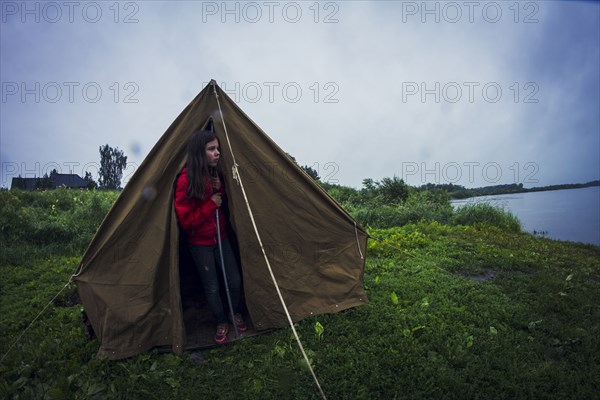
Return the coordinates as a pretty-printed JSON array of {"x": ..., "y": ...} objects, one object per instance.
[{"x": 570, "y": 214}]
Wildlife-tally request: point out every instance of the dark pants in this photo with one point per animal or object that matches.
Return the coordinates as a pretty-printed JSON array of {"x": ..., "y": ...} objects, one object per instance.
[{"x": 208, "y": 263}]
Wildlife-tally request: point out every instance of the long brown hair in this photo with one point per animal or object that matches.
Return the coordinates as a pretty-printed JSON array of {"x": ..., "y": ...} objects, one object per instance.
[{"x": 197, "y": 166}]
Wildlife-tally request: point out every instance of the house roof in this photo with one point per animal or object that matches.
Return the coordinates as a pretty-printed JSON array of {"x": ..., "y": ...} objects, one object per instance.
[
  {"x": 68, "y": 180},
  {"x": 27, "y": 183},
  {"x": 58, "y": 180}
]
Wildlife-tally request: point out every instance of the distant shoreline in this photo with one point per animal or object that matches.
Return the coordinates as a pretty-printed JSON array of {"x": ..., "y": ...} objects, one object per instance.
[{"x": 464, "y": 193}]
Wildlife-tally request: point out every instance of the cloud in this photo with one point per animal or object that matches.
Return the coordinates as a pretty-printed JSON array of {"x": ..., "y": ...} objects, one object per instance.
[{"x": 379, "y": 90}]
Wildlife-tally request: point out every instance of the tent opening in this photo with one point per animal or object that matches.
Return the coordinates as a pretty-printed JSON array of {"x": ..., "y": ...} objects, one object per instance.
[{"x": 198, "y": 320}]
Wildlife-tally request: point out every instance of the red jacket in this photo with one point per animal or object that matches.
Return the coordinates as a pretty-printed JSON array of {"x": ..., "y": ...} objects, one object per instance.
[{"x": 197, "y": 216}]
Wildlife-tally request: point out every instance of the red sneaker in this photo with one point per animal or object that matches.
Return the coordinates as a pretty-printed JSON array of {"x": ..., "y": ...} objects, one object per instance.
[
  {"x": 238, "y": 320},
  {"x": 222, "y": 331}
]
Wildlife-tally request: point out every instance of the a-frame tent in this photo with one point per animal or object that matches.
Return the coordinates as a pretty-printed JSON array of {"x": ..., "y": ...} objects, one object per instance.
[{"x": 132, "y": 282}]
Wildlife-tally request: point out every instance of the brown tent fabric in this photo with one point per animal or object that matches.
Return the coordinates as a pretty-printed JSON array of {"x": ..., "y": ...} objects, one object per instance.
[{"x": 129, "y": 278}]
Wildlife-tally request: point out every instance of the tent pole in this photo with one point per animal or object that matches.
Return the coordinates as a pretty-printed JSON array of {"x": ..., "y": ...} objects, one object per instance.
[{"x": 237, "y": 334}]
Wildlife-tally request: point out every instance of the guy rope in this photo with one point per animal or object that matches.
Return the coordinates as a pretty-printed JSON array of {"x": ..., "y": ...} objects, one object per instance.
[{"x": 238, "y": 179}]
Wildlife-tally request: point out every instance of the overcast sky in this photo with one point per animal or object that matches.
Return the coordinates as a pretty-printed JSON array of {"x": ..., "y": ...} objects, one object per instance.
[{"x": 471, "y": 93}]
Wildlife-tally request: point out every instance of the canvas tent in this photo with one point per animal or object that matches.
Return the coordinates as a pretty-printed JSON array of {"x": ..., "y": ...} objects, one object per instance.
[{"x": 134, "y": 279}]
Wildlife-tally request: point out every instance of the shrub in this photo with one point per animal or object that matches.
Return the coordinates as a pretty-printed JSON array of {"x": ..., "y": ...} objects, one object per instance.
[
  {"x": 486, "y": 214},
  {"x": 48, "y": 222},
  {"x": 380, "y": 217},
  {"x": 14, "y": 218},
  {"x": 344, "y": 195},
  {"x": 419, "y": 206}
]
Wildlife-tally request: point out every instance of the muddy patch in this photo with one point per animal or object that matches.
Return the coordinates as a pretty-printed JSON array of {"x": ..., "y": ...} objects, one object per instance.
[{"x": 485, "y": 276}]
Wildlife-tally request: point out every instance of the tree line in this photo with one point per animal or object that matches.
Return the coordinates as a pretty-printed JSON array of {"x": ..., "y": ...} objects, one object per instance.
[
  {"x": 460, "y": 192},
  {"x": 387, "y": 191}
]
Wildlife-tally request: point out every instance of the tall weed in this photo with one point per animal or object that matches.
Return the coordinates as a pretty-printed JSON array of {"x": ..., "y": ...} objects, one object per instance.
[{"x": 486, "y": 214}]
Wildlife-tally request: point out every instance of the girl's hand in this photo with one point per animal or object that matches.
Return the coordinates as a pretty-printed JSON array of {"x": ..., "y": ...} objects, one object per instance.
[
  {"x": 216, "y": 182},
  {"x": 217, "y": 199}
]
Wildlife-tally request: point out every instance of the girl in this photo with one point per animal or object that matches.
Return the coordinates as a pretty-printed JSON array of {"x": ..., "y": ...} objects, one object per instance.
[{"x": 199, "y": 193}]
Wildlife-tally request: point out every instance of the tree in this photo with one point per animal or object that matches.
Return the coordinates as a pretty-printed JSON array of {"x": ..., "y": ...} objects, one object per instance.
[
  {"x": 43, "y": 183},
  {"x": 311, "y": 171},
  {"x": 389, "y": 191},
  {"x": 89, "y": 181},
  {"x": 112, "y": 164},
  {"x": 393, "y": 190},
  {"x": 369, "y": 185}
]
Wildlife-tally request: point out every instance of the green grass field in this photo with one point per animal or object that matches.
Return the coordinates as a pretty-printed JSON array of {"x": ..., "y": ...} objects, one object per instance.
[{"x": 465, "y": 308}]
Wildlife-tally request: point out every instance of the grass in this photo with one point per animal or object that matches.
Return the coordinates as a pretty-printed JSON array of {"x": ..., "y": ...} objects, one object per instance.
[{"x": 433, "y": 328}]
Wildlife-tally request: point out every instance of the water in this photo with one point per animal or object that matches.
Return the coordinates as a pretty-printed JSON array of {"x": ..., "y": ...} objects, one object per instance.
[{"x": 570, "y": 214}]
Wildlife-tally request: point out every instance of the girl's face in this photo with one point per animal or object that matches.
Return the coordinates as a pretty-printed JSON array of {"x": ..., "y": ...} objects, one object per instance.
[{"x": 212, "y": 153}]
